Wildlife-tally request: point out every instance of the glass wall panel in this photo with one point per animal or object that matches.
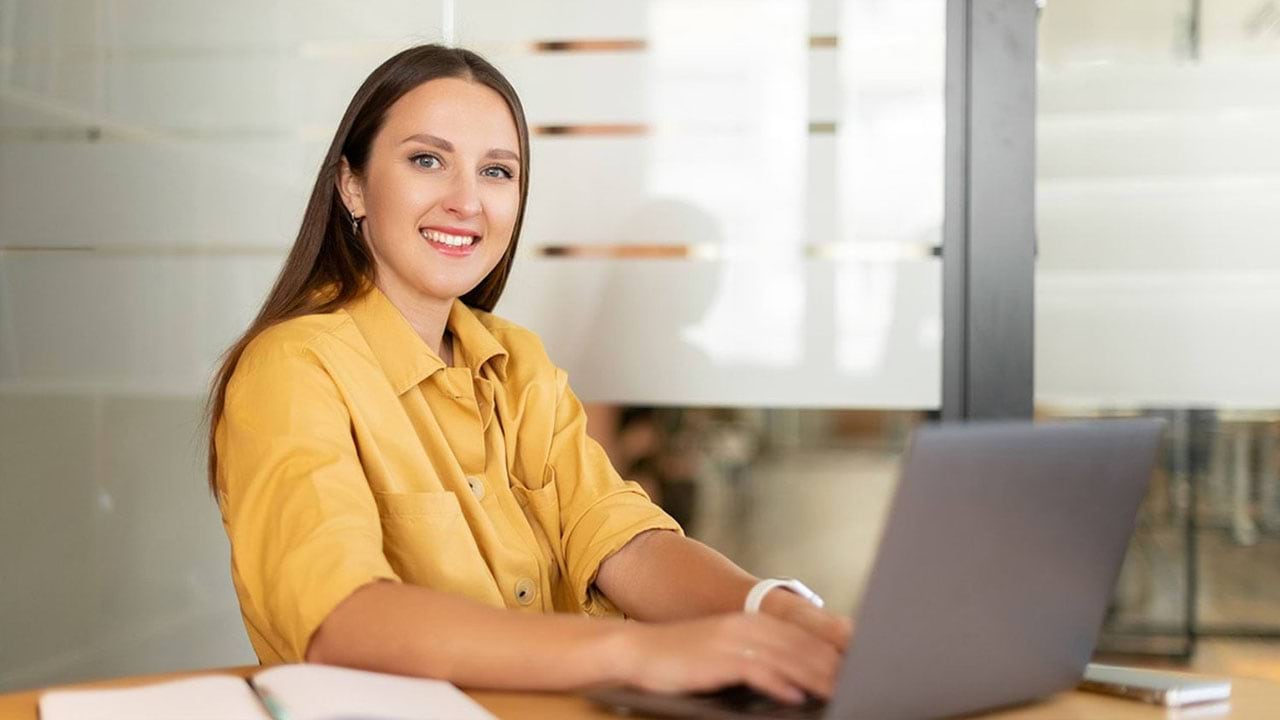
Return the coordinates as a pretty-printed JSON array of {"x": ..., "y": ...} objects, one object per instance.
[
  {"x": 731, "y": 244},
  {"x": 734, "y": 203},
  {"x": 1158, "y": 283}
]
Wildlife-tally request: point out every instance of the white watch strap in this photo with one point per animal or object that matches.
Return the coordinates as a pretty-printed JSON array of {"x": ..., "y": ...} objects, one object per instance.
[{"x": 756, "y": 596}]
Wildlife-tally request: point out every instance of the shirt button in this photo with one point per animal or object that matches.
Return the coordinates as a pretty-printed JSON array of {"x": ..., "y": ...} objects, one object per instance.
[
  {"x": 477, "y": 486},
  {"x": 526, "y": 591}
]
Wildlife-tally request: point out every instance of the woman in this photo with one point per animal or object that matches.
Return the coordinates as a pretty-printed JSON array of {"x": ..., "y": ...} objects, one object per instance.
[{"x": 406, "y": 480}]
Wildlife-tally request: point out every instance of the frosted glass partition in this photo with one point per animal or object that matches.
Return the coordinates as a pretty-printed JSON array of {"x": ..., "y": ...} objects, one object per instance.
[
  {"x": 733, "y": 204},
  {"x": 1158, "y": 201},
  {"x": 1159, "y": 195},
  {"x": 740, "y": 203}
]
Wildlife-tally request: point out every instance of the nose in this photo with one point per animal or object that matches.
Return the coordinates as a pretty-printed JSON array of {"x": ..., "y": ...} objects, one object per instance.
[{"x": 463, "y": 198}]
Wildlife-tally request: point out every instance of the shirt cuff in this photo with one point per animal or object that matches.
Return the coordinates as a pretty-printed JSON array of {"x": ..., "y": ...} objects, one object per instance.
[
  {"x": 604, "y": 529},
  {"x": 322, "y": 587}
]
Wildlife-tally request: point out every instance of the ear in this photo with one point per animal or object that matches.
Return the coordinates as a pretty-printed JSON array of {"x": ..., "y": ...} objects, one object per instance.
[{"x": 351, "y": 188}]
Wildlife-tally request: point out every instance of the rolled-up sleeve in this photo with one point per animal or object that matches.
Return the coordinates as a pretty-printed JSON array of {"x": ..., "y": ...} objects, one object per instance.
[
  {"x": 600, "y": 511},
  {"x": 297, "y": 507}
]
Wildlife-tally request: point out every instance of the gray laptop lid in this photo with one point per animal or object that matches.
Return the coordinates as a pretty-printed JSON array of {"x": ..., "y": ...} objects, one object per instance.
[{"x": 999, "y": 554}]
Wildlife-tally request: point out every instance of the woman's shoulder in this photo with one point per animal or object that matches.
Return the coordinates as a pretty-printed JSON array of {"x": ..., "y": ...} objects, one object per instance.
[{"x": 296, "y": 339}]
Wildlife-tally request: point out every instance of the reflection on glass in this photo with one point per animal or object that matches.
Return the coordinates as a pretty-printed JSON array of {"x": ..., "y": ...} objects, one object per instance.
[
  {"x": 891, "y": 133},
  {"x": 729, "y": 107},
  {"x": 890, "y": 147},
  {"x": 863, "y": 296}
]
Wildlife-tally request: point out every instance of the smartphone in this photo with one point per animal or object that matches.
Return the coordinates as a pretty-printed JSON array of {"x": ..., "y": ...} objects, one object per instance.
[{"x": 1161, "y": 688}]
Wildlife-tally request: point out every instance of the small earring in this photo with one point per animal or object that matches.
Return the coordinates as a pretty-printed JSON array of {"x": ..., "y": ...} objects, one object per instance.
[{"x": 355, "y": 224}]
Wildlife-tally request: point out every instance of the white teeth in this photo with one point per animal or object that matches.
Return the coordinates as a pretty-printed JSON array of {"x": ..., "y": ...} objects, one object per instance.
[{"x": 447, "y": 239}]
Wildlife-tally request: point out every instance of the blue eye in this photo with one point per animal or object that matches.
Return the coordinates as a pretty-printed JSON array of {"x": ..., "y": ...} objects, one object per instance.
[
  {"x": 423, "y": 159},
  {"x": 497, "y": 171}
]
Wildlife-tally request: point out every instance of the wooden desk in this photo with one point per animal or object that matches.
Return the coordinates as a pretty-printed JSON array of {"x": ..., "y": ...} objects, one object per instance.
[{"x": 1250, "y": 699}]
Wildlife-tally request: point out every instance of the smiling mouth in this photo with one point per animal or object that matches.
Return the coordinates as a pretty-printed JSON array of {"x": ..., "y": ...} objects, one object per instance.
[{"x": 453, "y": 241}]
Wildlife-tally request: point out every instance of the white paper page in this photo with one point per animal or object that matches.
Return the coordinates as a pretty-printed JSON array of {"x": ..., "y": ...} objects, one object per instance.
[
  {"x": 323, "y": 692},
  {"x": 220, "y": 697}
]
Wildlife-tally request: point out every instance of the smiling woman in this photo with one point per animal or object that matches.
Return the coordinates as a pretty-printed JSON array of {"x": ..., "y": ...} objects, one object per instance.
[{"x": 406, "y": 479}]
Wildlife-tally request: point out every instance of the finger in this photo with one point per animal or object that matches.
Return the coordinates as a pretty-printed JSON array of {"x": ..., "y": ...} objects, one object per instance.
[
  {"x": 845, "y": 629},
  {"x": 801, "y": 657},
  {"x": 799, "y": 638},
  {"x": 765, "y": 679},
  {"x": 816, "y": 675},
  {"x": 834, "y": 629}
]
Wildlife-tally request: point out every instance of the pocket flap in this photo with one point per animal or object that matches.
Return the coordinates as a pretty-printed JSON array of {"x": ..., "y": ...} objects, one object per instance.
[{"x": 435, "y": 505}]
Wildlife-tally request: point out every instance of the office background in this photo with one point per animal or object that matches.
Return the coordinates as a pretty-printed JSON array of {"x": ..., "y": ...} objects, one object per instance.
[{"x": 735, "y": 244}]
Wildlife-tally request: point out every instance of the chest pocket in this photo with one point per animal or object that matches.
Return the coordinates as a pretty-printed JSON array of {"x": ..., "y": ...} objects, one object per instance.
[{"x": 428, "y": 542}]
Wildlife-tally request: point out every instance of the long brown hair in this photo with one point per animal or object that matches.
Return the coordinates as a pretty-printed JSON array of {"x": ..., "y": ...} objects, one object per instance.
[{"x": 330, "y": 264}]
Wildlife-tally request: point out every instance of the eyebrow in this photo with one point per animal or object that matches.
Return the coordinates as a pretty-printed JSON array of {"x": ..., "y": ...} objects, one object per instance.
[{"x": 448, "y": 146}]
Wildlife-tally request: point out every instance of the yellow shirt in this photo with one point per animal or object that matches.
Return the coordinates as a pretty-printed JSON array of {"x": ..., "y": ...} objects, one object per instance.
[{"x": 348, "y": 452}]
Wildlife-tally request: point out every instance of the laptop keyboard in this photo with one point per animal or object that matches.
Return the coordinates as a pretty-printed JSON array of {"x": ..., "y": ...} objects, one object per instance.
[{"x": 742, "y": 699}]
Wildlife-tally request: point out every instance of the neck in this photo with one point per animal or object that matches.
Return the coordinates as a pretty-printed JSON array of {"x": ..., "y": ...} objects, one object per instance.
[{"x": 427, "y": 316}]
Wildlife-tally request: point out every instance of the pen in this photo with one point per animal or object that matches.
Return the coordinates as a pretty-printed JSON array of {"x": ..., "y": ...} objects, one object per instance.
[{"x": 273, "y": 706}]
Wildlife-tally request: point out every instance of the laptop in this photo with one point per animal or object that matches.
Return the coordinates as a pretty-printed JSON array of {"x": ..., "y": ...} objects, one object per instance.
[{"x": 999, "y": 554}]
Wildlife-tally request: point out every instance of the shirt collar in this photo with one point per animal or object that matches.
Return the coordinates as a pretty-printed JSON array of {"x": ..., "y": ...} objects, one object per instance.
[
  {"x": 403, "y": 355},
  {"x": 478, "y": 346}
]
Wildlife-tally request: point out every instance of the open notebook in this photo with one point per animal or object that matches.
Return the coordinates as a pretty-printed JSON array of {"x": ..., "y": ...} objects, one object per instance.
[{"x": 296, "y": 692}]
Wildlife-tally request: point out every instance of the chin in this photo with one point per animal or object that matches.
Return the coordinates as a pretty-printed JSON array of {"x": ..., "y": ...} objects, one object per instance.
[{"x": 447, "y": 291}]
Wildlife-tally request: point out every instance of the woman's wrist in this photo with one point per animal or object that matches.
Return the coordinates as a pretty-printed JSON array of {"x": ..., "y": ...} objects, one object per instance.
[
  {"x": 781, "y": 603},
  {"x": 613, "y": 656},
  {"x": 768, "y": 587}
]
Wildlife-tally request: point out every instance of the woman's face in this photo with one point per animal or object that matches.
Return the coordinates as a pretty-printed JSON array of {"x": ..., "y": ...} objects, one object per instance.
[{"x": 440, "y": 191}]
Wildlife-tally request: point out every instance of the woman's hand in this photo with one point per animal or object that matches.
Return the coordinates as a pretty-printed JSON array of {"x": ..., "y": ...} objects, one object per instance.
[
  {"x": 790, "y": 607},
  {"x": 774, "y": 657}
]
